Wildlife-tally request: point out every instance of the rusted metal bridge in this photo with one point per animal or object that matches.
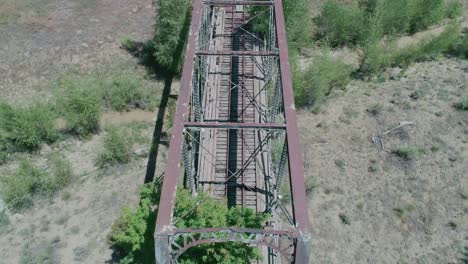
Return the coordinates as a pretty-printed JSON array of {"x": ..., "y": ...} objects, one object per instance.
[{"x": 235, "y": 134}]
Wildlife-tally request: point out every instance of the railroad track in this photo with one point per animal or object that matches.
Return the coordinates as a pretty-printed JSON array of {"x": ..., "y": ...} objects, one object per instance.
[{"x": 231, "y": 87}]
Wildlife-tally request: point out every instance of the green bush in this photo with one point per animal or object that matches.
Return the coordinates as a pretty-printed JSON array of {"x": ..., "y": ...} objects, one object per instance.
[
  {"x": 395, "y": 16},
  {"x": 171, "y": 34},
  {"x": 462, "y": 105},
  {"x": 123, "y": 91},
  {"x": 38, "y": 252},
  {"x": 61, "y": 172},
  {"x": 426, "y": 49},
  {"x": 378, "y": 56},
  {"x": 297, "y": 19},
  {"x": 460, "y": 47},
  {"x": 348, "y": 24},
  {"x": 213, "y": 213},
  {"x": 409, "y": 152},
  {"x": 117, "y": 147},
  {"x": 298, "y": 23},
  {"x": 26, "y": 128},
  {"x": 128, "y": 44},
  {"x": 19, "y": 189},
  {"x": 132, "y": 234},
  {"x": 453, "y": 9},
  {"x": 79, "y": 103},
  {"x": 424, "y": 13},
  {"x": 320, "y": 78},
  {"x": 340, "y": 24}
]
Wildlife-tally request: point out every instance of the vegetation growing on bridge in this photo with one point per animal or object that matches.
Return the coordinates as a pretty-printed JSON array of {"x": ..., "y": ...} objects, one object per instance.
[{"x": 132, "y": 234}]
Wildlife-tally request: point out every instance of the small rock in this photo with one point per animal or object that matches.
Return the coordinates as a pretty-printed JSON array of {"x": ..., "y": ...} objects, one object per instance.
[
  {"x": 17, "y": 217},
  {"x": 78, "y": 32},
  {"x": 393, "y": 73},
  {"x": 135, "y": 9},
  {"x": 75, "y": 58},
  {"x": 141, "y": 151},
  {"x": 85, "y": 45}
]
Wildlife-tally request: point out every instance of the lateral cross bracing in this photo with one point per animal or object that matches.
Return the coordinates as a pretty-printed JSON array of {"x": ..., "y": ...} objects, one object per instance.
[{"x": 235, "y": 134}]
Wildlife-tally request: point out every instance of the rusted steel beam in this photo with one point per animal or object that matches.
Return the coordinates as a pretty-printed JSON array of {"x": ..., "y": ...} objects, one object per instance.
[
  {"x": 232, "y": 125},
  {"x": 169, "y": 186},
  {"x": 296, "y": 169},
  {"x": 290, "y": 233},
  {"x": 238, "y": 53},
  {"x": 238, "y": 2}
]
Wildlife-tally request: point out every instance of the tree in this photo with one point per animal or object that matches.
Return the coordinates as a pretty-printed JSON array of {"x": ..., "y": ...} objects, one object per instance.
[{"x": 172, "y": 29}]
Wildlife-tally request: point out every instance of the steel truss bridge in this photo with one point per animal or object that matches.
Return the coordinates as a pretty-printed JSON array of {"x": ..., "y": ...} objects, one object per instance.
[{"x": 235, "y": 135}]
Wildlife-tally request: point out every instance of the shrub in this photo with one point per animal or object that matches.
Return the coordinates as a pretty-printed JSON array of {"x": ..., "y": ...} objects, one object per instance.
[
  {"x": 171, "y": 32},
  {"x": 320, "y": 78},
  {"x": 453, "y": 9},
  {"x": 409, "y": 152},
  {"x": 424, "y": 13},
  {"x": 426, "y": 49},
  {"x": 38, "y": 252},
  {"x": 26, "y": 128},
  {"x": 378, "y": 56},
  {"x": 123, "y": 91},
  {"x": 297, "y": 19},
  {"x": 20, "y": 189},
  {"x": 213, "y": 213},
  {"x": 298, "y": 23},
  {"x": 340, "y": 24},
  {"x": 132, "y": 233},
  {"x": 79, "y": 103},
  {"x": 117, "y": 148},
  {"x": 62, "y": 173},
  {"x": 311, "y": 184},
  {"x": 462, "y": 105},
  {"x": 460, "y": 47},
  {"x": 375, "y": 109},
  {"x": 395, "y": 16},
  {"x": 128, "y": 44}
]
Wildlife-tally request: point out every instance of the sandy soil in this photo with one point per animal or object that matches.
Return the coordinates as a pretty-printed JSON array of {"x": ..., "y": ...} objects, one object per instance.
[{"x": 399, "y": 211}]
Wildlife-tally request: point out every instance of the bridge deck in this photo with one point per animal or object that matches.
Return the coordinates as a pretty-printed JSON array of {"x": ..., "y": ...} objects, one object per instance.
[{"x": 228, "y": 165}]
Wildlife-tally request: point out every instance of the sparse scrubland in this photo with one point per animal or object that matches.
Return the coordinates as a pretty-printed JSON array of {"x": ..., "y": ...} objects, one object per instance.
[
  {"x": 371, "y": 27},
  {"x": 409, "y": 189}
]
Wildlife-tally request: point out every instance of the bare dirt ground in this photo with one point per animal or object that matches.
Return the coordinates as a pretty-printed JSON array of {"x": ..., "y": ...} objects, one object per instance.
[
  {"x": 78, "y": 36},
  {"x": 371, "y": 206}
]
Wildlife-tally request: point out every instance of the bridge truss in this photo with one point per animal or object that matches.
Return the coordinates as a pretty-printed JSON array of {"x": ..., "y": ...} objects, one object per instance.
[{"x": 235, "y": 134}]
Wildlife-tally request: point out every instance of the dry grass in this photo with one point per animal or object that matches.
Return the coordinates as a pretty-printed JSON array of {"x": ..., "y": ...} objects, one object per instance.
[{"x": 29, "y": 12}]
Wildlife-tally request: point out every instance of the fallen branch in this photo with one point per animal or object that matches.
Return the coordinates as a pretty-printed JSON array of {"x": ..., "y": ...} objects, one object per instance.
[
  {"x": 402, "y": 123},
  {"x": 377, "y": 138}
]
